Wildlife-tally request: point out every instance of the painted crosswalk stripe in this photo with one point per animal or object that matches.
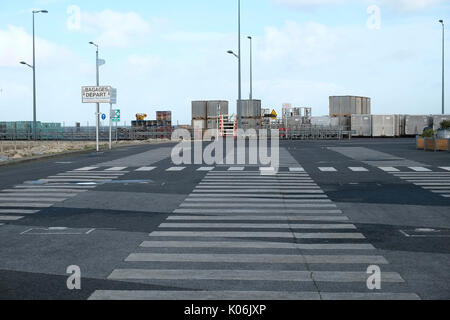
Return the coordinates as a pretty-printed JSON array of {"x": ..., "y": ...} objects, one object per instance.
[
  {"x": 243, "y": 295},
  {"x": 54, "y": 186},
  {"x": 26, "y": 205},
  {"x": 445, "y": 168},
  {"x": 256, "y": 205},
  {"x": 87, "y": 169},
  {"x": 358, "y": 169},
  {"x": 10, "y": 218},
  {"x": 116, "y": 169},
  {"x": 205, "y": 169},
  {"x": 258, "y": 196},
  {"x": 432, "y": 184},
  {"x": 446, "y": 195},
  {"x": 55, "y": 195},
  {"x": 236, "y": 169},
  {"x": 420, "y": 169},
  {"x": 82, "y": 177},
  {"x": 270, "y": 211},
  {"x": 296, "y": 191},
  {"x": 74, "y": 180},
  {"x": 285, "y": 235},
  {"x": 18, "y": 211},
  {"x": 263, "y": 187},
  {"x": 255, "y": 245},
  {"x": 327, "y": 169},
  {"x": 259, "y": 218},
  {"x": 253, "y": 200},
  {"x": 389, "y": 169},
  {"x": 296, "y": 169},
  {"x": 22, "y": 199},
  {"x": 38, "y": 191},
  {"x": 146, "y": 169},
  {"x": 257, "y": 226},
  {"x": 256, "y": 258},
  {"x": 175, "y": 169}
]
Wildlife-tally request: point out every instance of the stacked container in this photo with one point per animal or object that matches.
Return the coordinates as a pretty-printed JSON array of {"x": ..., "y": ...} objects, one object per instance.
[
  {"x": 346, "y": 106},
  {"x": 415, "y": 125},
  {"x": 438, "y": 119},
  {"x": 362, "y": 125},
  {"x": 384, "y": 126}
]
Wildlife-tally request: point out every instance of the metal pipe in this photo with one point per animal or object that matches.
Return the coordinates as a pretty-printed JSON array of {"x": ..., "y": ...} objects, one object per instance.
[
  {"x": 239, "y": 107},
  {"x": 251, "y": 69},
  {"x": 443, "y": 66}
]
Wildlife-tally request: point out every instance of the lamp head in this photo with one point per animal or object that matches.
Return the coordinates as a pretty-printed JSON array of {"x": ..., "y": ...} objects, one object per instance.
[
  {"x": 230, "y": 52},
  {"x": 441, "y": 21},
  {"x": 23, "y": 62}
]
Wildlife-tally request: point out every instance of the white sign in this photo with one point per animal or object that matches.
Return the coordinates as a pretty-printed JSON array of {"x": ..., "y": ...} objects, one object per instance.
[
  {"x": 96, "y": 94},
  {"x": 113, "y": 96}
]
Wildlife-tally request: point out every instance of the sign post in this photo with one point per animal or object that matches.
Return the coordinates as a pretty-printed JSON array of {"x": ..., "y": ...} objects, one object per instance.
[
  {"x": 100, "y": 94},
  {"x": 116, "y": 119}
]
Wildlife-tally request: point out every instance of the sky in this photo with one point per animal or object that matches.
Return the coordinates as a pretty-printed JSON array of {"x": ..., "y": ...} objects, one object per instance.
[{"x": 161, "y": 55}]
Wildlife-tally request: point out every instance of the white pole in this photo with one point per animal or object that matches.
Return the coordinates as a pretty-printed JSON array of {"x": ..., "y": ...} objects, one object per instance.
[
  {"x": 98, "y": 105},
  {"x": 110, "y": 126}
]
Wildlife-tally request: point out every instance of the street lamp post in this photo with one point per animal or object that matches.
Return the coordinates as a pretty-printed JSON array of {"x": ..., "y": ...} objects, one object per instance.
[
  {"x": 97, "y": 114},
  {"x": 443, "y": 66},
  {"x": 251, "y": 69},
  {"x": 34, "y": 77}
]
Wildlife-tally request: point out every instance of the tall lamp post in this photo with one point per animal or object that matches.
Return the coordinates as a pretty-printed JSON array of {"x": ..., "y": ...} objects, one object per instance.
[
  {"x": 238, "y": 56},
  {"x": 251, "y": 68},
  {"x": 97, "y": 114},
  {"x": 34, "y": 76},
  {"x": 443, "y": 66}
]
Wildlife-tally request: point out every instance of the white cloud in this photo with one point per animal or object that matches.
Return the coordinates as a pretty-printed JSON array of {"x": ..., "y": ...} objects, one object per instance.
[
  {"x": 115, "y": 29},
  {"x": 16, "y": 46},
  {"x": 402, "y": 5},
  {"x": 412, "y": 5},
  {"x": 300, "y": 3}
]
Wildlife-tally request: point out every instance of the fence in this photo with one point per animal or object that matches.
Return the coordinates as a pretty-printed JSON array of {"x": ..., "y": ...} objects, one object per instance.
[{"x": 84, "y": 134}]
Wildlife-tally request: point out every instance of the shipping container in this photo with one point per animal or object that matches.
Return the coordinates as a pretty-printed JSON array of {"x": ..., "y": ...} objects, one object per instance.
[
  {"x": 324, "y": 121},
  {"x": 199, "y": 109},
  {"x": 217, "y": 108},
  {"x": 340, "y": 122},
  {"x": 414, "y": 125},
  {"x": 251, "y": 108},
  {"x": 384, "y": 126},
  {"x": 361, "y": 124},
  {"x": 438, "y": 119},
  {"x": 163, "y": 115},
  {"x": 400, "y": 125},
  {"x": 349, "y": 105},
  {"x": 251, "y": 123}
]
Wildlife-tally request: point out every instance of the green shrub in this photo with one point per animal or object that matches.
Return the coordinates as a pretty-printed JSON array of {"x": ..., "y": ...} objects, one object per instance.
[
  {"x": 445, "y": 124},
  {"x": 429, "y": 133}
]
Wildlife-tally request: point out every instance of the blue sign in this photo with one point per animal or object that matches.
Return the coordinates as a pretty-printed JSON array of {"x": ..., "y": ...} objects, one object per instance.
[{"x": 103, "y": 116}]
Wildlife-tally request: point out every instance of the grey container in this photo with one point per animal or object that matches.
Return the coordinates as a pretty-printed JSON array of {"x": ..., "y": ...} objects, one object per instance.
[
  {"x": 340, "y": 122},
  {"x": 414, "y": 125},
  {"x": 199, "y": 109},
  {"x": 349, "y": 105},
  {"x": 251, "y": 123},
  {"x": 383, "y": 125},
  {"x": 324, "y": 121},
  {"x": 400, "y": 123},
  {"x": 443, "y": 134},
  {"x": 251, "y": 108},
  {"x": 212, "y": 124},
  {"x": 217, "y": 108},
  {"x": 437, "y": 120},
  {"x": 361, "y": 124}
]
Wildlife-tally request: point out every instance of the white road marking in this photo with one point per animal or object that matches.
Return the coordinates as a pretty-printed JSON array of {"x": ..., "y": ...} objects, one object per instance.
[
  {"x": 285, "y": 235},
  {"x": 258, "y": 196},
  {"x": 26, "y": 205},
  {"x": 327, "y": 169},
  {"x": 155, "y": 295},
  {"x": 10, "y": 218},
  {"x": 46, "y": 189},
  {"x": 205, "y": 169},
  {"x": 255, "y": 258},
  {"x": 253, "y": 200},
  {"x": 257, "y": 226},
  {"x": 236, "y": 169},
  {"x": 21, "y": 199},
  {"x": 258, "y": 218},
  {"x": 420, "y": 169},
  {"x": 56, "y": 195},
  {"x": 250, "y": 191},
  {"x": 175, "y": 169},
  {"x": 18, "y": 211},
  {"x": 389, "y": 169},
  {"x": 239, "y": 211},
  {"x": 296, "y": 169},
  {"x": 269, "y": 188},
  {"x": 254, "y": 245},
  {"x": 358, "y": 169},
  {"x": 432, "y": 184},
  {"x": 116, "y": 169},
  {"x": 256, "y": 205},
  {"x": 87, "y": 169},
  {"x": 145, "y": 169},
  {"x": 445, "y": 168}
]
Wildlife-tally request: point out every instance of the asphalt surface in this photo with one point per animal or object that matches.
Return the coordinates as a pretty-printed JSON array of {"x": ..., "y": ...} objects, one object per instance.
[{"x": 140, "y": 227}]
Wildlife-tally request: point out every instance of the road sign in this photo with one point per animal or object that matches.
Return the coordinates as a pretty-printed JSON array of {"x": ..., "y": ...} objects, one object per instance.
[
  {"x": 103, "y": 116},
  {"x": 113, "y": 96},
  {"x": 102, "y": 94},
  {"x": 116, "y": 116},
  {"x": 274, "y": 114}
]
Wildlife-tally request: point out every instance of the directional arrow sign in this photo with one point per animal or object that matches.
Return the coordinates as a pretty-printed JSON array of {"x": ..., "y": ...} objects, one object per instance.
[{"x": 116, "y": 115}]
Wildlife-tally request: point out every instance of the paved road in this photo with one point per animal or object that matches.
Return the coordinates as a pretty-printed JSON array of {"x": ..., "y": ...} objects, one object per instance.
[{"x": 140, "y": 227}]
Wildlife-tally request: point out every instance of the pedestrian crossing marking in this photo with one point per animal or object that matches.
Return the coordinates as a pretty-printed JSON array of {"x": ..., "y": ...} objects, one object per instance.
[
  {"x": 202, "y": 169},
  {"x": 389, "y": 169},
  {"x": 358, "y": 169},
  {"x": 87, "y": 169},
  {"x": 10, "y": 218},
  {"x": 236, "y": 169},
  {"x": 296, "y": 169},
  {"x": 445, "y": 168},
  {"x": 116, "y": 169},
  {"x": 420, "y": 169},
  {"x": 327, "y": 169},
  {"x": 175, "y": 169},
  {"x": 146, "y": 169}
]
